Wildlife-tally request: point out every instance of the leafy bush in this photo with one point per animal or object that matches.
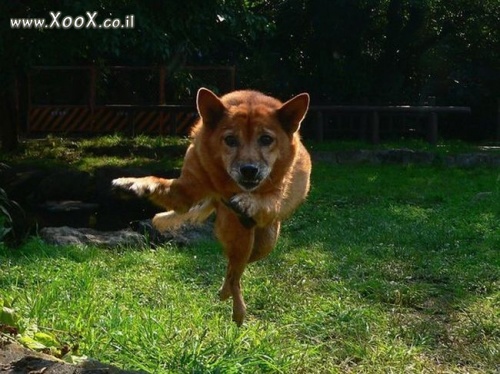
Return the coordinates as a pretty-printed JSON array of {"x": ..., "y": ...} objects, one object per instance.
[{"x": 12, "y": 219}]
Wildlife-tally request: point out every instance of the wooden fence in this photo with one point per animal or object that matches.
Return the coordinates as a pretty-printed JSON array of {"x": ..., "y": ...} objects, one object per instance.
[
  {"x": 369, "y": 118},
  {"x": 133, "y": 100}
]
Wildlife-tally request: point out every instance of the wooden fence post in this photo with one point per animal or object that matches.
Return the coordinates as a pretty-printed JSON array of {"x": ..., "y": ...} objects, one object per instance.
[
  {"x": 498, "y": 120},
  {"x": 319, "y": 128},
  {"x": 161, "y": 88},
  {"x": 432, "y": 132},
  {"x": 92, "y": 95},
  {"x": 375, "y": 123}
]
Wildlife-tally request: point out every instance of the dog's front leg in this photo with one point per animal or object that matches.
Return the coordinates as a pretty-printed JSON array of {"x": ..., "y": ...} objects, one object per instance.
[
  {"x": 238, "y": 242},
  {"x": 143, "y": 187},
  {"x": 170, "y": 194},
  {"x": 258, "y": 208}
]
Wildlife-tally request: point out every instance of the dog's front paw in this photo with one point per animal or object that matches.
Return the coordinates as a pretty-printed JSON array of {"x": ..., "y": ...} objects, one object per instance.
[
  {"x": 244, "y": 203},
  {"x": 245, "y": 207},
  {"x": 137, "y": 186}
]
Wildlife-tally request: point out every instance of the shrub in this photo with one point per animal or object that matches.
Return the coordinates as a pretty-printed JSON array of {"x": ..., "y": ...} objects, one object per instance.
[{"x": 13, "y": 226}]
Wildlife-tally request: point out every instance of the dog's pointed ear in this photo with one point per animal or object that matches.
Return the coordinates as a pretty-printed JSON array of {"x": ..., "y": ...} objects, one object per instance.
[
  {"x": 210, "y": 107},
  {"x": 293, "y": 112}
]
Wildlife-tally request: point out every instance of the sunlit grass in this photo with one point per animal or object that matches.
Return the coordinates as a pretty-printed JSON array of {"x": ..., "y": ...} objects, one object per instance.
[{"x": 383, "y": 269}]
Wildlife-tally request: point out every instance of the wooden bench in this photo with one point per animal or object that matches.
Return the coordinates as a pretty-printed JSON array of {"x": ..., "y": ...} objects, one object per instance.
[{"x": 373, "y": 115}]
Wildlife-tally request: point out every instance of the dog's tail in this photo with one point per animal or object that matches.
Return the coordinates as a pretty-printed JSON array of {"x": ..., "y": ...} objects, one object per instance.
[{"x": 171, "y": 220}]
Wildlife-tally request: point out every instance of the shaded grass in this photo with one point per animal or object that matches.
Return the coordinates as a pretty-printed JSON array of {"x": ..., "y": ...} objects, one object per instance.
[
  {"x": 157, "y": 153},
  {"x": 154, "y": 153},
  {"x": 444, "y": 147},
  {"x": 384, "y": 269}
]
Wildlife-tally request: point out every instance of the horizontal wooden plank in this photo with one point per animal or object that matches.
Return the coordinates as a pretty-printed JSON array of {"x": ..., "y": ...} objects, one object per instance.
[{"x": 390, "y": 108}]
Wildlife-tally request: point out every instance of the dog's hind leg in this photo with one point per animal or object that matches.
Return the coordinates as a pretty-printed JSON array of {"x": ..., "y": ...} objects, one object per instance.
[
  {"x": 265, "y": 240},
  {"x": 232, "y": 287},
  {"x": 171, "y": 220},
  {"x": 238, "y": 242}
]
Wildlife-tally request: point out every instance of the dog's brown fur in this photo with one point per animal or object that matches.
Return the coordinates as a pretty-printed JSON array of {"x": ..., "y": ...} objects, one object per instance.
[{"x": 247, "y": 163}]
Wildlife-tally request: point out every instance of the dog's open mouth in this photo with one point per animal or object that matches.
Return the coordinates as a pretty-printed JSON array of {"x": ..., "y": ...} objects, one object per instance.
[
  {"x": 249, "y": 176},
  {"x": 249, "y": 184}
]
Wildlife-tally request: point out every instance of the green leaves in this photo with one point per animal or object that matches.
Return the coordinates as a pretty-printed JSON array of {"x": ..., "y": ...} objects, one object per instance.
[
  {"x": 27, "y": 333},
  {"x": 32, "y": 343},
  {"x": 8, "y": 316}
]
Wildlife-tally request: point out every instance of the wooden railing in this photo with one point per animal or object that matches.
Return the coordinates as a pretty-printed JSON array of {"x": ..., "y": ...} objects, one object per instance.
[{"x": 371, "y": 117}]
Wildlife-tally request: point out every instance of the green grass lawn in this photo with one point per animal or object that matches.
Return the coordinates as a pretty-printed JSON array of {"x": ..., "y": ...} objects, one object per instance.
[{"x": 385, "y": 269}]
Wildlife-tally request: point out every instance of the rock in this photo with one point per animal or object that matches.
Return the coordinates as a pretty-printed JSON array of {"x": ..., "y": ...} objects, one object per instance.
[
  {"x": 14, "y": 358},
  {"x": 65, "y": 185},
  {"x": 187, "y": 234},
  {"x": 141, "y": 234},
  {"x": 66, "y": 213},
  {"x": 23, "y": 185},
  {"x": 329, "y": 157},
  {"x": 404, "y": 157},
  {"x": 393, "y": 156},
  {"x": 355, "y": 157},
  {"x": 85, "y": 236},
  {"x": 471, "y": 160},
  {"x": 68, "y": 206},
  {"x": 482, "y": 196}
]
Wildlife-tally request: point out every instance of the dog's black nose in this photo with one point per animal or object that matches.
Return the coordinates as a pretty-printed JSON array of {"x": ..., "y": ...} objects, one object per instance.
[{"x": 249, "y": 171}]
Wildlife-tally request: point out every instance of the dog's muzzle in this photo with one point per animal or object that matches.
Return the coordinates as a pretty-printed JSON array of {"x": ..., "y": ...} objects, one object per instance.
[{"x": 250, "y": 176}]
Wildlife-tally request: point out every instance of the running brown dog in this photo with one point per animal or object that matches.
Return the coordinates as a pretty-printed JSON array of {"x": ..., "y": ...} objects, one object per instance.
[{"x": 247, "y": 163}]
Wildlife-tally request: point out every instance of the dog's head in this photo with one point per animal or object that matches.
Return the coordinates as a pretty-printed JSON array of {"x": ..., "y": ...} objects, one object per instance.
[{"x": 251, "y": 132}]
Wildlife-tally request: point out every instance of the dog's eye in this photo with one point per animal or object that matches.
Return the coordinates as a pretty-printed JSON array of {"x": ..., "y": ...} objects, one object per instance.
[
  {"x": 266, "y": 140},
  {"x": 231, "y": 141}
]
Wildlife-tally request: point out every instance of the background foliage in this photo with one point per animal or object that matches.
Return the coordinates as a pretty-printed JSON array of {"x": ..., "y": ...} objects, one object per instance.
[{"x": 356, "y": 51}]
